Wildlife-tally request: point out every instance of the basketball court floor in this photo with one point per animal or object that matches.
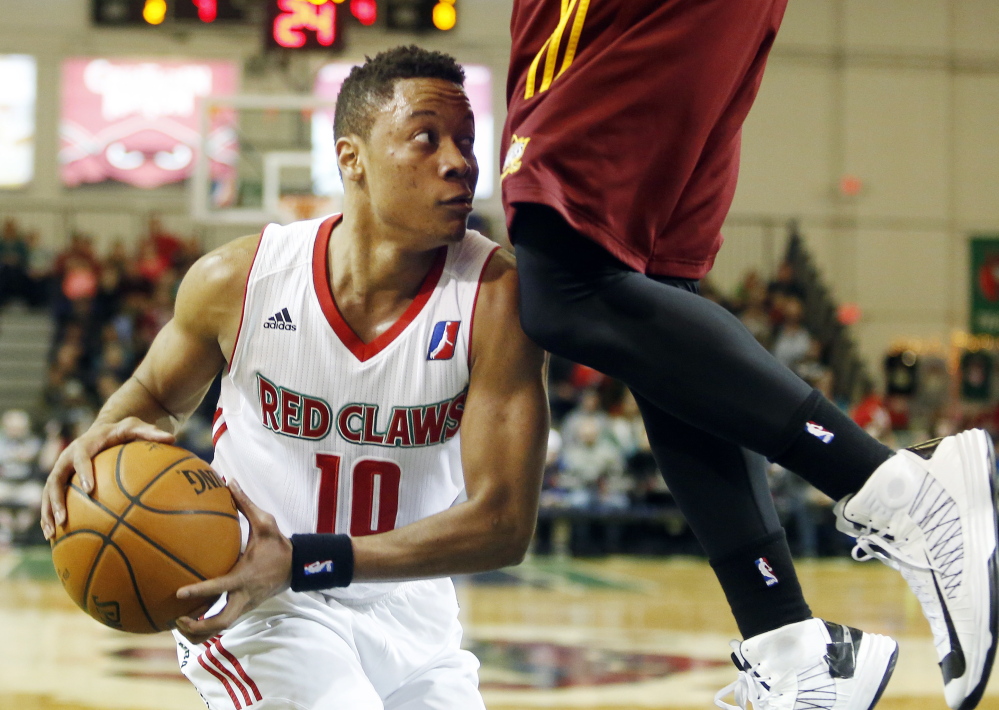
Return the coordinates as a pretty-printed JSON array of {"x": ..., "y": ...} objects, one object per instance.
[{"x": 560, "y": 634}]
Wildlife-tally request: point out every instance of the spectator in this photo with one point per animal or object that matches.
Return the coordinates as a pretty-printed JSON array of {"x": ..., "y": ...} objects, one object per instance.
[
  {"x": 785, "y": 283},
  {"x": 79, "y": 262},
  {"x": 553, "y": 466},
  {"x": 115, "y": 356},
  {"x": 593, "y": 478},
  {"x": 588, "y": 457},
  {"x": 562, "y": 393},
  {"x": 168, "y": 246},
  {"x": 755, "y": 315},
  {"x": 68, "y": 363},
  {"x": 110, "y": 290},
  {"x": 76, "y": 408},
  {"x": 157, "y": 312},
  {"x": 588, "y": 409},
  {"x": 793, "y": 341},
  {"x": 58, "y": 434},
  {"x": 625, "y": 423},
  {"x": 13, "y": 264},
  {"x": 751, "y": 282},
  {"x": 41, "y": 271},
  {"x": 627, "y": 429},
  {"x": 813, "y": 371},
  {"x": 20, "y": 482}
]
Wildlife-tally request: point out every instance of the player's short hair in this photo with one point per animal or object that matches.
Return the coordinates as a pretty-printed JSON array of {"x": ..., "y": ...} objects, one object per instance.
[{"x": 371, "y": 85}]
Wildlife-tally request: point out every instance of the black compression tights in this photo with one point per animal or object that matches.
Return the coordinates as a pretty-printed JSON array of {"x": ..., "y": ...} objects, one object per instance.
[{"x": 702, "y": 381}]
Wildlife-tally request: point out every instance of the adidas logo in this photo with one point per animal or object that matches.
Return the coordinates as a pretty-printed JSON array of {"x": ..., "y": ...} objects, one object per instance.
[{"x": 280, "y": 321}]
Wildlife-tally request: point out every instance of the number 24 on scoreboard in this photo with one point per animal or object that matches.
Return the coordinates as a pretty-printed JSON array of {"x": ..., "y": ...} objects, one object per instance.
[{"x": 296, "y": 24}]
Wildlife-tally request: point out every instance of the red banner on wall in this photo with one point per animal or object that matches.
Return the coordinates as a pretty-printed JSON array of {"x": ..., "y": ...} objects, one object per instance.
[{"x": 137, "y": 122}]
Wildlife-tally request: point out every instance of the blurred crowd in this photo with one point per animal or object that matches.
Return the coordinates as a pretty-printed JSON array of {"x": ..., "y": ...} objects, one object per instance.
[{"x": 106, "y": 308}]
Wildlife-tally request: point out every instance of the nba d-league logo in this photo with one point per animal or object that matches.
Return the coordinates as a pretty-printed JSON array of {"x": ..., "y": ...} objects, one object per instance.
[
  {"x": 767, "y": 571},
  {"x": 443, "y": 340}
]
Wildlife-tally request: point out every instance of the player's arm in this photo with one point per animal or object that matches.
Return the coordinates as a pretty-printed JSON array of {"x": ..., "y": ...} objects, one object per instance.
[
  {"x": 172, "y": 378},
  {"x": 504, "y": 434}
]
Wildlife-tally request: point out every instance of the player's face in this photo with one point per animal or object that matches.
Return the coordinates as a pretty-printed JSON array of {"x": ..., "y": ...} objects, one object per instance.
[{"x": 419, "y": 169}]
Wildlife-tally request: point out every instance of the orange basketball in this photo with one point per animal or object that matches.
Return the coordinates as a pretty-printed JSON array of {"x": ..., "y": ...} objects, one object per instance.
[{"x": 159, "y": 518}]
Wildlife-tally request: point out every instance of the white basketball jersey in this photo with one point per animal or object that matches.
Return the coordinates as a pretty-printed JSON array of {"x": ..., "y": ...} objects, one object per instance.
[{"x": 331, "y": 434}]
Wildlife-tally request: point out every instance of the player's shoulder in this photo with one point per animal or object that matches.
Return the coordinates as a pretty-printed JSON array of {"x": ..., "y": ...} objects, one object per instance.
[
  {"x": 497, "y": 299},
  {"x": 502, "y": 267},
  {"x": 232, "y": 259},
  {"x": 481, "y": 254},
  {"x": 222, "y": 272}
]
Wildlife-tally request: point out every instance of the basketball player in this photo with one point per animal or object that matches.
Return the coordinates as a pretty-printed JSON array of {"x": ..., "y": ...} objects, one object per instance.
[
  {"x": 621, "y": 161},
  {"x": 379, "y": 399}
]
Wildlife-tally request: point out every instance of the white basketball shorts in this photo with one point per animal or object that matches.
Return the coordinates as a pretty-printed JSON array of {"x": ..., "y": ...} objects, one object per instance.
[{"x": 306, "y": 651}]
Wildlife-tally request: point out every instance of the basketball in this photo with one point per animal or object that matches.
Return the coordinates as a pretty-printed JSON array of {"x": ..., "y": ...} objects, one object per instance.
[{"x": 159, "y": 518}]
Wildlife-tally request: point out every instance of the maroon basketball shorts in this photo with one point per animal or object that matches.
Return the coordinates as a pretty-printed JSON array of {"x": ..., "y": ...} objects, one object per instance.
[{"x": 626, "y": 116}]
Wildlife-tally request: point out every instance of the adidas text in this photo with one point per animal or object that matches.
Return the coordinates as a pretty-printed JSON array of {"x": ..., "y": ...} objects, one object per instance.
[{"x": 279, "y": 326}]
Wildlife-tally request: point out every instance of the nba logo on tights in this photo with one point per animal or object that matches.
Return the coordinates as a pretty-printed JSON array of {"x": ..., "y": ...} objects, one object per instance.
[
  {"x": 443, "y": 340},
  {"x": 819, "y": 432},
  {"x": 767, "y": 571}
]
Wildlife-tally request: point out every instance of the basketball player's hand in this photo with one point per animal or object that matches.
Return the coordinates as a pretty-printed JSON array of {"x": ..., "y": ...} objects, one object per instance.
[
  {"x": 263, "y": 570},
  {"x": 77, "y": 458}
]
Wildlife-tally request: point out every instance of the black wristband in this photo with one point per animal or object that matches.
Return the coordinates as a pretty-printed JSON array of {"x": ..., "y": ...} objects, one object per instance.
[{"x": 321, "y": 561}]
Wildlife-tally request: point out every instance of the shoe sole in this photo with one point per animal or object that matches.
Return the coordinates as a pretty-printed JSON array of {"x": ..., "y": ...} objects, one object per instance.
[{"x": 975, "y": 696}]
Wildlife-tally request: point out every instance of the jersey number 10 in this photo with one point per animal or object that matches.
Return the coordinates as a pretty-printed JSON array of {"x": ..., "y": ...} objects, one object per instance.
[{"x": 375, "y": 498}]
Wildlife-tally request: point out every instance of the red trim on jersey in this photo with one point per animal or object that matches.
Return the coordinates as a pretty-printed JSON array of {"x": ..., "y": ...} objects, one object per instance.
[
  {"x": 242, "y": 312},
  {"x": 217, "y": 642},
  {"x": 320, "y": 270},
  {"x": 475, "y": 302},
  {"x": 218, "y": 414},
  {"x": 221, "y": 679},
  {"x": 221, "y": 666},
  {"x": 218, "y": 434}
]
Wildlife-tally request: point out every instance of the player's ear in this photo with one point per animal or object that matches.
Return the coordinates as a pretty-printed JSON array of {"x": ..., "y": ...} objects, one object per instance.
[{"x": 348, "y": 158}]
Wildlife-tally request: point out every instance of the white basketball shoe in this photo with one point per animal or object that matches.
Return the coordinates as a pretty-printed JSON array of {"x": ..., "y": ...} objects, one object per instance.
[
  {"x": 929, "y": 512},
  {"x": 811, "y": 664}
]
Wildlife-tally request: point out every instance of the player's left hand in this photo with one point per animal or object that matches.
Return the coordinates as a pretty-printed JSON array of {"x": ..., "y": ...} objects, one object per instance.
[{"x": 263, "y": 570}]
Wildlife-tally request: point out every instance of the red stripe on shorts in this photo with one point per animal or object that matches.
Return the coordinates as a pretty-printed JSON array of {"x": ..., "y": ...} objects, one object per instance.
[
  {"x": 236, "y": 681},
  {"x": 218, "y": 435},
  {"x": 217, "y": 642},
  {"x": 221, "y": 678}
]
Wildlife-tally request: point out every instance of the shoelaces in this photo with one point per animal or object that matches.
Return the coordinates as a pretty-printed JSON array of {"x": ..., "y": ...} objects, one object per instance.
[
  {"x": 748, "y": 687},
  {"x": 934, "y": 513},
  {"x": 815, "y": 687}
]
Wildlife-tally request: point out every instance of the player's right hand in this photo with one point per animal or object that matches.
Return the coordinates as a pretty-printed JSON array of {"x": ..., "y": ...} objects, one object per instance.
[
  {"x": 263, "y": 570},
  {"x": 78, "y": 458}
]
